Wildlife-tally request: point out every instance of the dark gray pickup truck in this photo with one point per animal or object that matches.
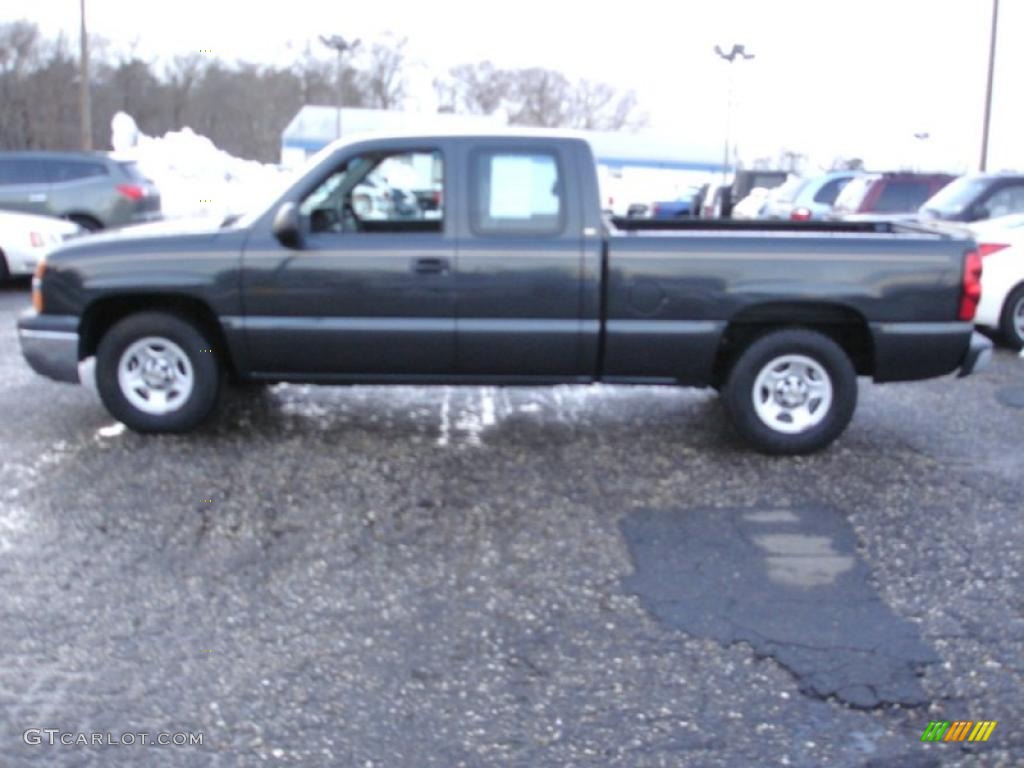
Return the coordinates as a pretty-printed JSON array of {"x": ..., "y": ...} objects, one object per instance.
[{"x": 485, "y": 259}]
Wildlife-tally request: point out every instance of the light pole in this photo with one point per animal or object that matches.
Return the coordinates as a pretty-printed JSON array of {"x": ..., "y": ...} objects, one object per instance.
[
  {"x": 84, "y": 102},
  {"x": 339, "y": 44},
  {"x": 738, "y": 51},
  {"x": 988, "y": 89}
]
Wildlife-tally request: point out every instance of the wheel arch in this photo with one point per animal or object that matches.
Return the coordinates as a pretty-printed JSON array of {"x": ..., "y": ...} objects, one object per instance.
[
  {"x": 102, "y": 314},
  {"x": 846, "y": 326}
]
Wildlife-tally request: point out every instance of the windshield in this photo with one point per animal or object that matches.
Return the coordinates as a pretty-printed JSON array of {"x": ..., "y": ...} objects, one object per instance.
[
  {"x": 955, "y": 196},
  {"x": 850, "y": 198},
  {"x": 788, "y": 192}
]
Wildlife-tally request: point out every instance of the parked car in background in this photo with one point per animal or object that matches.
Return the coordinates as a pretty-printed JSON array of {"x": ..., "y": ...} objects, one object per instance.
[
  {"x": 880, "y": 196},
  {"x": 680, "y": 206},
  {"x": 715, "y": 203},
  {"x": 719, "y": 199},
  {"x": 806, "y": 199},
  {"x": 25, "y": 239},
  {"x": 977, "y": 197},
  {"x": 93, "y": 190},
  {"x": 753, "y": 205},
  {"x": 1001, "y": 246}
]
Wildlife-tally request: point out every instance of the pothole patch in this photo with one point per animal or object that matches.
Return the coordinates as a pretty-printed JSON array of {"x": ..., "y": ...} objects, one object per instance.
[{"x": 790, "y": 583}]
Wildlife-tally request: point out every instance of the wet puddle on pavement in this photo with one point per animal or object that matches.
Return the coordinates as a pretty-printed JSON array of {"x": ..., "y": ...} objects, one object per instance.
[{"x": 789, "y": 583}]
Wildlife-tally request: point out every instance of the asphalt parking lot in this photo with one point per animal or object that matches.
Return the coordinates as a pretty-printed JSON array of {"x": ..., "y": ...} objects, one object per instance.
[{"x": 464, "y": 577}]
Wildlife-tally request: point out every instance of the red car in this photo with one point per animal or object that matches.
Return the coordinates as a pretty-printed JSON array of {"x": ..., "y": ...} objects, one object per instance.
[{"x": 887, "y": 195}]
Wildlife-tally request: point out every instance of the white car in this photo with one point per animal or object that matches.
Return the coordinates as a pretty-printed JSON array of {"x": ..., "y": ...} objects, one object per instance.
[
  {"x": 25, "y": 239},
  {"x": 1001, "y": 245},
  {"x": 750, "y": 207}
]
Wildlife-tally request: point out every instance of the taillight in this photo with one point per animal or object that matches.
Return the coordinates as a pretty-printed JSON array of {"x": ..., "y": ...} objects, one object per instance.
[
  {"x": 987, "y": 249},
  {"x": 800, "y": 214},
  {"x": 131, "y": 191},
  {"x": 972, "y": 286},
  {"x": 36, "y": 239},
  {"x": 37, "y": 285},
  {"x": 655, "y": 209}
]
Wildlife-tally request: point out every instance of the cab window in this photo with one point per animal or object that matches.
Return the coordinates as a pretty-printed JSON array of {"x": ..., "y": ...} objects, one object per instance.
[
  {"x": 517, "y": 193},
  {"x": 380, "y": 192}
]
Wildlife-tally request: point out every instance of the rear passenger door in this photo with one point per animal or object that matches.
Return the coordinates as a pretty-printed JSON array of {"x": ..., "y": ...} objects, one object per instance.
[
  {"x": 25, "y": 184},
  {"x": 519, "y": 261}
]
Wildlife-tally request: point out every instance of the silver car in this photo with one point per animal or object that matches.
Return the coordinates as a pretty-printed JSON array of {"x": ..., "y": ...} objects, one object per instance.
[{"x": 91, "y": 189}]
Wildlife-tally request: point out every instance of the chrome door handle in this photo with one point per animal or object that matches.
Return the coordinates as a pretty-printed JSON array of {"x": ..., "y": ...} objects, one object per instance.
[{"x": 37, "y": 197}]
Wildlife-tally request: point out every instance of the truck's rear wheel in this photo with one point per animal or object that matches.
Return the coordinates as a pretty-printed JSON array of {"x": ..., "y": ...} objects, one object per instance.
[
  {"x": 156, "y": 373},
  {"x": 1012, "y": 321},
  {"x": 791, "y": 391}
]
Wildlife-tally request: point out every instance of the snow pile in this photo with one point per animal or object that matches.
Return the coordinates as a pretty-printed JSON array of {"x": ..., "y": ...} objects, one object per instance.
[{"x": 195, "y": 178}]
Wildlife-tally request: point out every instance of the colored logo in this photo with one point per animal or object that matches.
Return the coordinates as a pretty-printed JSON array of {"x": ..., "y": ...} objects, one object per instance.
[{"x": 959, "y": 730}]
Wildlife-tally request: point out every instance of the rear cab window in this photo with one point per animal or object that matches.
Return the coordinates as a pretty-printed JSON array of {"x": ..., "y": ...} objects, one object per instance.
[{"x": 517, "y": 192}]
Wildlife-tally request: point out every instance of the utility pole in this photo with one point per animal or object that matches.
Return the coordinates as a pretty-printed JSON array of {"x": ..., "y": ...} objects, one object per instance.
[
  {"x": 84, "y": 100},
  {"x": 338, "y": 44},
  {"x": 988, "y": 89},
  {"x": 738, "y": 51}
]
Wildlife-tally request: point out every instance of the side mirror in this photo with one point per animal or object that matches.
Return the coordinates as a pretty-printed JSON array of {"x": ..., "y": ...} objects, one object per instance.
[{"x": 286, "y": 226}]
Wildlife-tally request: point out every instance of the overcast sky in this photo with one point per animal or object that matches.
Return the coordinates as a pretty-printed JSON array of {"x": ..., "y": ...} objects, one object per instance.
[{"x": 831, "y": 77}]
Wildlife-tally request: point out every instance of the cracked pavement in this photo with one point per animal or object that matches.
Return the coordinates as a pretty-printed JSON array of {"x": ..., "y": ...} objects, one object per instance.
[{"x": 448, "y": 577}]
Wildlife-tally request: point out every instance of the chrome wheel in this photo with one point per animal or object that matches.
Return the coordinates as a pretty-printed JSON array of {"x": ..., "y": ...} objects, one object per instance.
[
  {"x": 792, "y": 394},
  {"x": 155, "y": 375},
  {"x": 1018, "y": 318}
]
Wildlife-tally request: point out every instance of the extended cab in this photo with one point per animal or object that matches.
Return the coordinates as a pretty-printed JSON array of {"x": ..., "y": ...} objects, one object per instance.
[{"x": 513, "y": 277}]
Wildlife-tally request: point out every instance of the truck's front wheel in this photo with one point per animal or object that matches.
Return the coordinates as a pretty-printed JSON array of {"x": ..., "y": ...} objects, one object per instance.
[
  {"x": 157, "y": 373},
  {"x": 791, "y": 391}
]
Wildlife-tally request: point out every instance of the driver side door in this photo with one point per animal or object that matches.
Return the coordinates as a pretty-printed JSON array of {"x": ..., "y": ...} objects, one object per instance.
[{"x": 369, "y": 293}]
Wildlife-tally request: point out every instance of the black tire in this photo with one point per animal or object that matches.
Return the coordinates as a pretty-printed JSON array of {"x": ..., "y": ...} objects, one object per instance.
[
  {"x": 206, "y": 370},
  {"x": 1008, "y": 323},
  {"x": 4, "y": 272},
  {"x": 739, "y": 392}
]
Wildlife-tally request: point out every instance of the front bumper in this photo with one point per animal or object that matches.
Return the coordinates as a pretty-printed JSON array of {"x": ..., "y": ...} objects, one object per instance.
[
  {"x": 979, "y": 355},
  {"x": 49, "y": 343}
]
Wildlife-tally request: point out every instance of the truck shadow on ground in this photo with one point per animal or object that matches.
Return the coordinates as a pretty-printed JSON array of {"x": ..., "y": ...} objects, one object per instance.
[{"x": 472, "y": 417}]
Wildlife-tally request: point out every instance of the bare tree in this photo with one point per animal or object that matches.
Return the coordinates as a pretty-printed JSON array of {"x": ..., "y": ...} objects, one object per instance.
[
  {"x": 383, "y": 79},
  {"x": 539, "y": 97},
  {"x": 479, "y": 89},
  {"x": 536, "y": 96},
  {"x": 243, "y": 107},
  {"x": 182, "y": 76},
  {"x": 600, "y": 107}
]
